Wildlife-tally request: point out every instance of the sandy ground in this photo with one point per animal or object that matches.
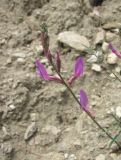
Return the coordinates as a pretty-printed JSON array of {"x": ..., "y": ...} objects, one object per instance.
[{"x": 63, "y": 131}]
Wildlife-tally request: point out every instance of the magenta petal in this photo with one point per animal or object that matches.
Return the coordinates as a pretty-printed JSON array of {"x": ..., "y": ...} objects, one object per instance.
[
  {"x": 84, "y": 100},
  {"x": 78, "y": 70},
  {"x": 43, "y": 73},
  {"x": 116, "y": 52},
  {"x": 41, "y": 70},
  {"x": 54, "y": 78},
  {"x": 79, "y": 67}
]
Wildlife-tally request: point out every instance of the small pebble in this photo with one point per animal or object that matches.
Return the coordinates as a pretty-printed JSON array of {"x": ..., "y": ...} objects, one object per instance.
[
  {"x": 100, "y": 157},
  {"x": 118, "y": 111},
  {"x": 20, "y": 61},
  {"x": 30, "y": 131},
  {"x": 118, "y": 69},
  {"x": 96, "y": 68},
  {"x": 110, "y": 36},
  {"x": 112, "y": 58},
  {"x": 100, "y": 37},
  {"x": 105, "y": 47}
]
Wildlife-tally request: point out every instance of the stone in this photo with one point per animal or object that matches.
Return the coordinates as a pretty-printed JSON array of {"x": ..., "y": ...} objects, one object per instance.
[
  {"x": 118, "y": 69},
  {"x": 118, "y": 158},
  {"x": 44, "y": 60},
  {"x": 110, "y": 36},
  {"x": 95, "y": 57},
  {"x": 51, "y": 129},
  {"x": 116, "y": 30},
  {"x": 70, "y": 156},
  {"x": 96, "y": 67},
  {"x": 112, "y": 58},
  {"x": 118, "y": 111},
  {"x": 113, "y": 155},
  {"x": 8, "y": 150},
  {"x": 112, "y": 75},
  {"x": 100, "y": 37},
  {"x": 105, "y": 47},
  {"x": 20, "y": 61},
  {"x": 101, "y": 157},
  {"x": 30, "y": 131},
  {"x": 19, "y": 55},
  {"x": 92, "y": 59},
  {"x": 6, "y": 134},
  {"x": 52, "y": 156},
  {"x": 12, "y": 107},
  {"x": 74, "y": 40},
  {"x": 112, "y": 25},
  {"x": 34, "y": 117},
  {"x": 9, "y": 61},
  {"x": 39, "y": 49}
]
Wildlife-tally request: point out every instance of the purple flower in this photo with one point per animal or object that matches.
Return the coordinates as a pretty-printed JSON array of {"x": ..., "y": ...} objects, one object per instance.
[
  {"x": 84, "y": 100},
  {"x": 78, "y": 70},
  {"x": 115, "y": 51},
  {"x": 84, "y": 103},
  {"x": 58, "y": 62},
  {"x": 43, "y": 73}
]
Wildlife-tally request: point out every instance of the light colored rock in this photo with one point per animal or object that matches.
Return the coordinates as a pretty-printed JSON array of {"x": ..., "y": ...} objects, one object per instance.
[
  {"x": 96, "y": 68},
  {"x": 112, "y": 58},
  {"x": 113, "y": 155},
  {"x": 70, "y": 156},
  {"x": 118, "y": 111},
  {"x": 95, "y": 57},
  {"x": 101, "y": 157},
  {"x": 39, "y": 49},
  {"x": 112, "y": 25},
  {"x": 19, "y": 55},
  {"x": 12, "y": 107},
  {"x": 30, "y": 131},
  {"x": 7, "y": 149},
  {"x": 112, "y": 75},
  {"x": 6, "y": 133},
  {"x": 74, "y": 40},
  {"x": 116, "y": 30},
  {"x": 100, "y": 37},
  {"x": 9, "y": 61},
  {"x": 34, "y": 117},
  {"x": 118, "y": 158},
  {"x": 118, "y": 69},
  {"x": 21, "y": 61},
  {"x": 92, "y": 59},
  {"x": 53, "y": 156},
  {"x": 110, "y": 36},
  {"x": 44, "y": 61},
  {"x": 54, "y": 130},
  {"x": 105, "y": 47}
]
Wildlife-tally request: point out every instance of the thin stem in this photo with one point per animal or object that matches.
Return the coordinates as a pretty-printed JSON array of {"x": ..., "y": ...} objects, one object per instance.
[
  {"x": 113, "y": 115},
  {"x": 88, "y": 113},
  {"x": 116, "y": 136},
  {"x": 116, "y": 76}
]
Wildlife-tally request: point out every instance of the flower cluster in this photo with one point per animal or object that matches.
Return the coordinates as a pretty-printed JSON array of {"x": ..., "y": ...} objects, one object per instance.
[
  {"x": 78, "y": 72},
  {"x": 55, "y": 61}
]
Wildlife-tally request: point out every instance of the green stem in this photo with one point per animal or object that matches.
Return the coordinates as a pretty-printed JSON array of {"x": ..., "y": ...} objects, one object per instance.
[
  {"x": 114, "y": 139},
  {"x": 117, "y": 120},
  {"x": 116, "y": 76}
]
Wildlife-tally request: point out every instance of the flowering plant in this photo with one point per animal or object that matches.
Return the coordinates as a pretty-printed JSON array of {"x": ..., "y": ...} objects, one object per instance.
[{"x": 83, "y": 101}]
